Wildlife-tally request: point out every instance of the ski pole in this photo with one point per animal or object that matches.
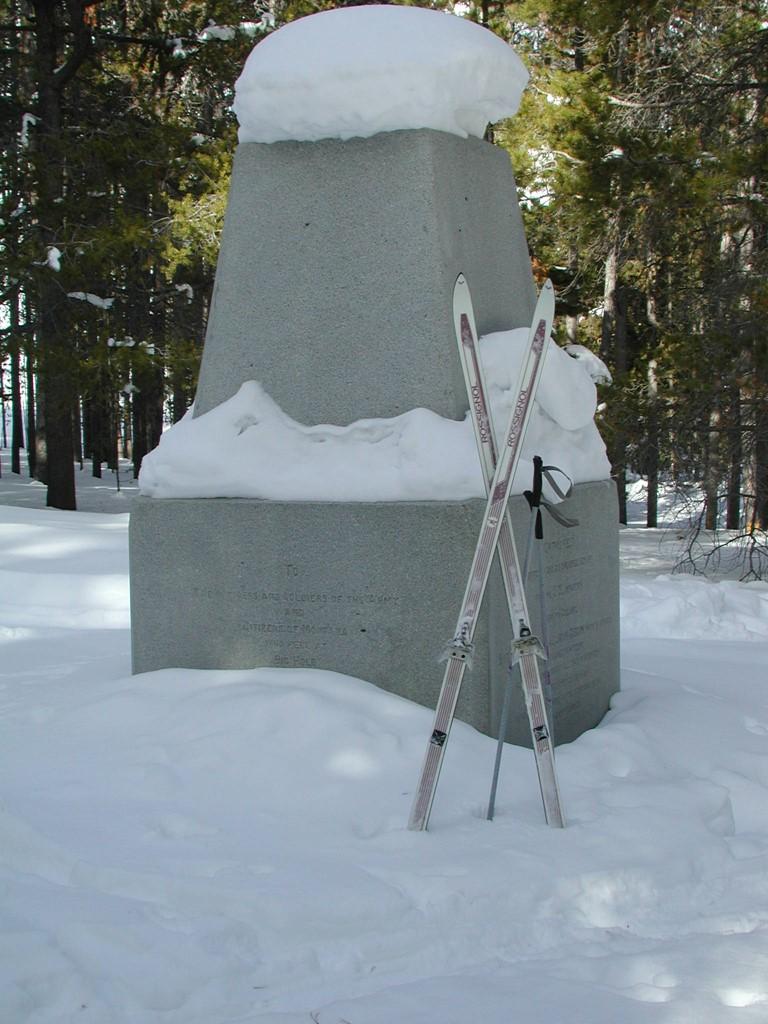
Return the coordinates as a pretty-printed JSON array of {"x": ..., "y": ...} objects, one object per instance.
[
  {"x": 533, "y": 497},
  {"x": 536, "y": 532}
]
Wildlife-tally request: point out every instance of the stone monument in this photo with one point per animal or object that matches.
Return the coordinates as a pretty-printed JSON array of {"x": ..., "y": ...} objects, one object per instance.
[{"x": 333, "y": 290}]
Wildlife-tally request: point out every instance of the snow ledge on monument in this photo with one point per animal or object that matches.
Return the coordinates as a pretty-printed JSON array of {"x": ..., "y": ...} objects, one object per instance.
[
  {"x": 248, "y": 447},
  {"x": 357, "y": 71}
]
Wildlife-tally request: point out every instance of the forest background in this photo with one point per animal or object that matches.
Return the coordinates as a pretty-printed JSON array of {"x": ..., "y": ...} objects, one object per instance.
[{"x": 641, "y": 158}]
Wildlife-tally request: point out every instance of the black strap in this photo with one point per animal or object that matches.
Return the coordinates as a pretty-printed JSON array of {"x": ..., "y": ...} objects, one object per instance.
[{"x": 537, "y": 502}]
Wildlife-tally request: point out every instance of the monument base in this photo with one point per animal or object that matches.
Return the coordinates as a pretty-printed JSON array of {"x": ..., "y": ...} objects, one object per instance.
[{"x": 373, "y": 591}]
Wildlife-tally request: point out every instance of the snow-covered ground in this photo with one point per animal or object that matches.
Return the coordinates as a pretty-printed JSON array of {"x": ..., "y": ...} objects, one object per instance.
[
  {"x": 218, "y": 847},
  {"x": 110, "y": 493}
]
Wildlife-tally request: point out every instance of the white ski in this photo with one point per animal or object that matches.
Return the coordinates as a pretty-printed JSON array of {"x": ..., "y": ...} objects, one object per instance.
[{"x": 460, "y": 648}]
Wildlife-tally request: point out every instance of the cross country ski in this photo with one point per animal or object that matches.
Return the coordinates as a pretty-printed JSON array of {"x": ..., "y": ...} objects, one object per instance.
[
  {"x": 495, "y": 530},
  {"x": 526, "y": 649}
]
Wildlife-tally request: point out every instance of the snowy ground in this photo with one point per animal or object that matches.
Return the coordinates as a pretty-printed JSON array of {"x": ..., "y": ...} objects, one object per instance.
[
  {"x": 218, "y": 847},
  {"x": 111, "y": 493}
]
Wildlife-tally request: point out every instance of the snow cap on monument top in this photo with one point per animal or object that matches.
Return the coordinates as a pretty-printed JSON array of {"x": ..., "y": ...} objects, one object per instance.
[{"x": 359, "y": 71}]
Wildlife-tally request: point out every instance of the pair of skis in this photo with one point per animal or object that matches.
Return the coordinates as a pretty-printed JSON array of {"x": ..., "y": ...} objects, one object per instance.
[{"x": 495, "y": 534}]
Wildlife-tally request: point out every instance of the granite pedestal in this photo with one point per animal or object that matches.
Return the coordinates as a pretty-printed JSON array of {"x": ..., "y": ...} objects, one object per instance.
[
  {"x": 334, "y": 290},
  {"x": 338, "y": 260},
  {"x": 372, "y": 590}
]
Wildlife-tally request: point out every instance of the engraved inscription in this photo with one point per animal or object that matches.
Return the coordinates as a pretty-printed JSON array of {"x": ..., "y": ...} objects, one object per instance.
[{"x": 296, "y": 622}]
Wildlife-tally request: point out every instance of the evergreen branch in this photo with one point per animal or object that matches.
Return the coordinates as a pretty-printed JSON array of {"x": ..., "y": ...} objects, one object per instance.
[
  {"x": 567, "y": 156},
  {"x": 160, "y": 43},
  {"x": 82, "y": 46},
  {"x": 617, "y": 101}
]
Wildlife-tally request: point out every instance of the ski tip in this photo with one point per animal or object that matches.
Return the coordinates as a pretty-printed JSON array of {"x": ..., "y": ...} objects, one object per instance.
[{"x": 546, "y": 303}]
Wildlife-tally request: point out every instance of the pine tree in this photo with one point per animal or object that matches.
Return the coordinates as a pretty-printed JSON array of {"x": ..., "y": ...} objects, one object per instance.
[
  {"x": 127, "y": 111},
  {"x": 641, "y": 156}
]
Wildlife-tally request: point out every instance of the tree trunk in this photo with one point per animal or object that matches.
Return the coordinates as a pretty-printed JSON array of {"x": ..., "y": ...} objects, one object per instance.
[
  {"x": 92, "y": 431},
  {"x": 127, "y": 434},
  {"x": 760, "y": 472},
  {"x": 112, "y": 424},
  {"x": 652, "y": 457},
  {"x": 614, "y": 350},
  {"x": 4, "y": 440},
  {"x": 735, "y": 453},
  {"x": 53, "y": 71},
  {"x": 55, "y": 453},
  {"x": 147, "y": 401},
  {"x": 572, "y": 329},
  {"x": 17, "y": 416},
  {"x": 31, "y": 420},
  {"x": 114, "y": 449},
  {"x": 712, "y": 469},
  {"x": 41, "y": 437},
  {"x": 77, "y": 430},
  {"x": 59, "y": 441}
]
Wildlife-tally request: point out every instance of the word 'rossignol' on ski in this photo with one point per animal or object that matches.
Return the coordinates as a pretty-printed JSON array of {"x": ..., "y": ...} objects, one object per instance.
[{"x": 495, "y": 522}]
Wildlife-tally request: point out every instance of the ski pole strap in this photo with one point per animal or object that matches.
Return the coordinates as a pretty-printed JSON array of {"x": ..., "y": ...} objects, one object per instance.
[
  {"x": 547, "y": 472},
  {"x": 537, "y": 502},
  {"x": 565, "y": 521}
]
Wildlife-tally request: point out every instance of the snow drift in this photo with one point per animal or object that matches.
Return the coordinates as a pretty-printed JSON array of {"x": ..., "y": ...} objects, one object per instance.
[{"x": 249, "y": 448}]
